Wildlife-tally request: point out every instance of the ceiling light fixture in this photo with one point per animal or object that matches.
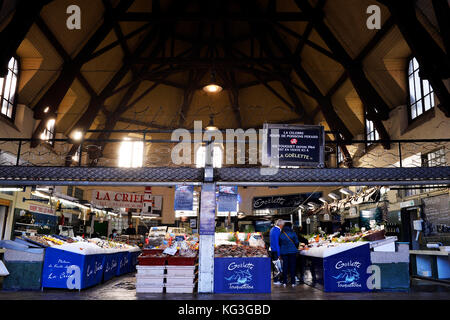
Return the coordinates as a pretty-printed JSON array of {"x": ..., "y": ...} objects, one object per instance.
[
  {"x": 323, "y": 200},
  {"x": 334, "y": 196},
  {"x": 47, "y": 109},
  {"x": 346, "y": 191},
  {"x": 77, "y": 135},
  {"x": 213, "y": 86},
  {"x": 211, "y": 126}
]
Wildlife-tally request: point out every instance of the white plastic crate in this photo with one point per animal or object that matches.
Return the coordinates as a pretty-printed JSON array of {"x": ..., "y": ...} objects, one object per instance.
[
  {"x": 150, "y": 270},
  {"x": 180, "y": 289},
  {"x": 174, "y": 281},
  {"x": 149, "y": 289},
  {"x": 149, "y": 280},
  {"x": 181, "y": 271}
]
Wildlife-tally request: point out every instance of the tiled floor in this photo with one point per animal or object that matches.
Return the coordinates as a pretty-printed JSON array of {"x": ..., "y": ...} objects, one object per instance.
[{"x": 123, "y": 288}]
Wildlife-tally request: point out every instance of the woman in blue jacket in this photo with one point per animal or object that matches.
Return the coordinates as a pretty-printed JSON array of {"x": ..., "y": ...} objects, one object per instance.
[{"x": 288, "y": 251}]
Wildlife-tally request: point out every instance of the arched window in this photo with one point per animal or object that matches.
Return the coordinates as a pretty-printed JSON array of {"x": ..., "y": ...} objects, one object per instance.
[
  {"x": 8, "y": 87},
  {"x": 421, "y": 96}
]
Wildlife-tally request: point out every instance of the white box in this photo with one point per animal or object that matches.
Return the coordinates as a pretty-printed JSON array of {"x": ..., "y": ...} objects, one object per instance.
[
  {"x": 150, "y": 270},
  {"x": 180, "y": 289},
  {"x": 180, "y": 270},
  {"x": 149, "y": 280},
  {"x": 145, "y": 289},
  {"x": 176, "y": 281}
]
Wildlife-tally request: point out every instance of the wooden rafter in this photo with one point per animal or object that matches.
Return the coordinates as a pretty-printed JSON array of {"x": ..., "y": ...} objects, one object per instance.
[
  {"x": 13, "y": 34},
  {"x": 53, "y": 96},
  {"x": 434, "y": 62}
]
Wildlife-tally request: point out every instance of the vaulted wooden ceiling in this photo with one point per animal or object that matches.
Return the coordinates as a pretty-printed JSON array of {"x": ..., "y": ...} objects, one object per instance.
[{"x": 138, "y": 64}]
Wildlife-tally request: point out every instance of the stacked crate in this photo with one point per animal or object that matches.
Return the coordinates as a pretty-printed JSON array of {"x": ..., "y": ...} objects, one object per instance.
[
  {"x": 150, "y": 279},
  {"x": 176, "y": 274},
  {"x": 150, "y": 272},
  {"x": 181, "y": 275}
]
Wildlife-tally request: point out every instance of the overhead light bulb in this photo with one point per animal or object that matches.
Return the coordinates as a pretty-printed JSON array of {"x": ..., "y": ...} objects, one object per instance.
[
  {"x": 312, "y": 205},
  {"x": 334, "y": 196},
  {"x": 77, "y": 135},
  {"x": 323, "y": 200},
  {"x": 211, "y": 126},
  {"x": 47, "y": 109},
  {"x": 213, "y": 86},
  {"x": 346, "y": 191}
]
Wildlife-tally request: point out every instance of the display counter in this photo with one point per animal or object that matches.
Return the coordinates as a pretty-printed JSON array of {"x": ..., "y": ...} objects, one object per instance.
[
  {"x": 340, "y": 268},
  {"x": 432, "y": 264},
  {"x": 69, "y": 270},
  {"x": 344, "y": 267},
  {"x": 242, "y": 275}
]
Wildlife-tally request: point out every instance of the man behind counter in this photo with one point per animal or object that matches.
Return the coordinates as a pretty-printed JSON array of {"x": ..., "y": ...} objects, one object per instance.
[{"x": 130, "y": 230}]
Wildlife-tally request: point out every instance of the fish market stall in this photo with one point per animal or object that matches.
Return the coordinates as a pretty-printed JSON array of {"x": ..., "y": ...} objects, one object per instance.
[
  {"x": 77, "y": 263},
  {"x": 345, "y": 264},
  {"x": 242, "y": 265}
]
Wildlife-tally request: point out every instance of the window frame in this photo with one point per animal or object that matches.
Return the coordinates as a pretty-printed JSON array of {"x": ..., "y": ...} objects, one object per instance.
[
  {"x": 422, "y": 96},
  {"x": 132, "y": 145},
  {"x": 16, "y": 95}
]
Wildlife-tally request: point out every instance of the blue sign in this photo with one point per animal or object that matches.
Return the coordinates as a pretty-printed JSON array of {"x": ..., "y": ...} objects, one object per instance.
[
  {"x": 227, "y": 202},
  {"x": 111, "y": 264},
  {"x": 123, "y": 263},
  {"x": 184, "y": 198},
  {"x": 347, "y": 271},
  {"x": 242, "y": 275},
  {"x": 63, "y": 269},
  {"x": 228, "y": 189},
  {"x": 208, "y": 210}
]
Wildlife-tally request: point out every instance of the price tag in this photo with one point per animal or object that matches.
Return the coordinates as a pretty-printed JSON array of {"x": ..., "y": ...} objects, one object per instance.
[{"x": 170, "y": 251}]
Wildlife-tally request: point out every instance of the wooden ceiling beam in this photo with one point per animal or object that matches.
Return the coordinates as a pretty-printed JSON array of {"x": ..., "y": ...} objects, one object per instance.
[
  {"x": 70, "y": 70},
  {"x": 54, "y": 95},
  {"x": 96, "y": 104},
  {"x": 442, "y": 12},
  {"x": 116, "y": 43},
  {"x": 332, "y": 118},
  {"x": 199, "y": 16},
  {"x": 124, "y": 105},
  {"x": 207, "y": 61},
  {"x": 307, "y": 42},
  {"x": 62, "y": 53},
  {"x": 375, "y": 107},
  {"x": 434, "y": 62},
  {"x": 14, "y": 33},
  {"x": 298, "y": 105}
]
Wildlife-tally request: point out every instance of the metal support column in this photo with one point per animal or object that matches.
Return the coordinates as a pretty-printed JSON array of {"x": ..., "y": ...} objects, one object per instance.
[
  {"x": 207, "y": 225},
  {"x": 206, "y": 231}
]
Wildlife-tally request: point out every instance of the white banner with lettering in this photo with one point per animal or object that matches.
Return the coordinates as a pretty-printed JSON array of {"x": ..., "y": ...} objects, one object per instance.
[{"x": 111, "y": 199}]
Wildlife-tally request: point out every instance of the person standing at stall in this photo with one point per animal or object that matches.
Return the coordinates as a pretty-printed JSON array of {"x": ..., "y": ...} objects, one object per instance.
[
  {"x": 288, "y": 251},
  {"x": 275, "y": 245},
  {"x": 300, "y": 260},
  {"x": 131, "y": 231}
]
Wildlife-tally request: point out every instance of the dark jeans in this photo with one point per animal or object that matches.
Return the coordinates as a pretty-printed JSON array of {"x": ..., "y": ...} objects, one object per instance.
[
  {"x": 289, "y": 266},
  {"x": 301, "y": 266}
]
